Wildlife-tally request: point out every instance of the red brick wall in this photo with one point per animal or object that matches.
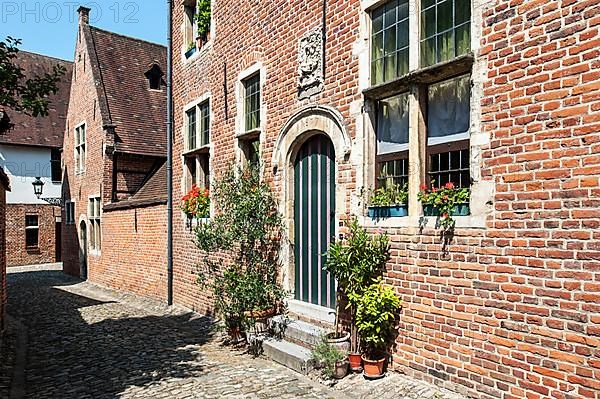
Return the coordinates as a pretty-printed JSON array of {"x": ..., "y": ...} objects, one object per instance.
[
  {"x": 3, "y": 295},
  {"x": 241, "y": 45},
  {"x": 16, "y": 252},
  {"x": 133, "y": 257},
  {"x": 511, "y": 311}
]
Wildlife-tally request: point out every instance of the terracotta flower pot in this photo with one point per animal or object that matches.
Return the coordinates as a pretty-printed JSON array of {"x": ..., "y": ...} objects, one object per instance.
[
  {"x": 235, "y": 334},
  {"x": 373, "y": 368},
  {"x": 341, "y": 369},
  {"x": 355, "y": 362},
  {"x": 341, "y": 343}
]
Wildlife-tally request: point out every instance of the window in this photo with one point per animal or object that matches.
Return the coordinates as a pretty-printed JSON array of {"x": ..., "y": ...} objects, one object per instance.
[
  {"x": 197, "y": 170},
  {"x": 392, "y": 141},
  {"x": 32, "y": 232},
  {"x": 448, "y": 122},
  {"x": 69, "y": 212},
  {"x": 80, "y": 152},
  {"x": 154, "y": 76},
  {"x": 95, "y": 235},
  {"x": 55, "y": 165},
  {"x": 191, "y": 128},
  {"x": 252, "y": 102},
  {"x": 204, "y": 123},
  {"x": 389, "y": 41},
  {"x": 251, "y": 151},
  {"x": 198, "y": 126},
  {"x": 445, "y": 30},
  {"x": 189, "y": 10}
]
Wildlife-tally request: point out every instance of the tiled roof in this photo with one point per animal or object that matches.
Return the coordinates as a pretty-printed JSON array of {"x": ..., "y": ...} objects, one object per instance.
[
  {"x": 41, "y": 131},
  {"x": 152, "y": 192},
  {"x": 138, "y": 113}
]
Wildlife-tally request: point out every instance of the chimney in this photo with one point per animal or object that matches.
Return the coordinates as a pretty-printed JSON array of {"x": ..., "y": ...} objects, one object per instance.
[{"x": 84, "y": 15}]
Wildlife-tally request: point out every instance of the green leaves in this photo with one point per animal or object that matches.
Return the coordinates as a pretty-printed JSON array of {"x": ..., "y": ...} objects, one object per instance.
[
  {"x": 203, "y": 16},
  {"x": 27, "y": 96},
  {"x": 389, "y": 195},
  {"x": 376, "y": 314},
  {"x": 246, "y": 231}
]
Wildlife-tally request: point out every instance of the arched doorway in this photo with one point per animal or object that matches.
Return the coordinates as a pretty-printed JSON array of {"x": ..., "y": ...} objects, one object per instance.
[
  {"x": 314, "y": 220},
  {"x": 83, "y": 250}
]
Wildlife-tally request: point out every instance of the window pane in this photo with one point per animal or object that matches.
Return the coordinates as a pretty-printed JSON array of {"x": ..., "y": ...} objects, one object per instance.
[
  {"x": 450, "y": 166},
  {"x": 402, "y": 62},
  {"x": 205, "y": 123},
  {"x": 448, "y": 115},
  {"x": 449, "y": 23},
  {"x": 252, "y": 107},
  {"x": 31, "y": 220},
  {"x": 393, "y": 172},
  {"x": 32, "y": 238},
  {"x": 427, "y": 3},
  {"x": 445, "y": 46},
  {"x": 389, "y": 37},
  {"x": 463, "y": 39},
  {"x": 392, "y": 125},
  {"x": 191, "y": 128},
  {"x": 444, "y": 16},
  {"x": 462, "y": 11}
]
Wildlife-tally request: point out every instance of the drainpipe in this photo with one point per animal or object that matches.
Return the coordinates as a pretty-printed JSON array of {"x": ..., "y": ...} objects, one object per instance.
[{"x": 169, "y": 153}]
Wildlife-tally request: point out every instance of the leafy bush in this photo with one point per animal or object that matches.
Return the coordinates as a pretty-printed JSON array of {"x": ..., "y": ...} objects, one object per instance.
[
  {"x": 355, "y": 261},
  {"x": 376, "y": 315},
  {"x": 246, "y": 229},
  {"x": 390, "y": 196},
  {"x": 203, "y": 13},
  {"x": 325, "y": 357}
]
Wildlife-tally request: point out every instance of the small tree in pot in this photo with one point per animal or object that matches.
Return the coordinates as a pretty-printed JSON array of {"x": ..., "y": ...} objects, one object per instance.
[
  {"x": 376, "y": 316},
  {"x": 354, "y": 262},
  {"x": 246, "y": 230}
]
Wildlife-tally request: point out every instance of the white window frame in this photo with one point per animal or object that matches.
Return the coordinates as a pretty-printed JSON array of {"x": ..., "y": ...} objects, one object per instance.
[
  {"x": 80, "y": 148},
  {"x": 37, "y": 228},
  {"x": 95, "y": 225}
]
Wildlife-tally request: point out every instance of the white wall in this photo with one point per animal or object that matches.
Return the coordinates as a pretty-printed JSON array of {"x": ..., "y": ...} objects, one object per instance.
[{"x": 23, "y": 164}]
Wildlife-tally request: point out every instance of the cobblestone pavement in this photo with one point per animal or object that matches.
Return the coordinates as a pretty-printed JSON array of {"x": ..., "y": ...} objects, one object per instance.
[{"x": 85, "y": 341}]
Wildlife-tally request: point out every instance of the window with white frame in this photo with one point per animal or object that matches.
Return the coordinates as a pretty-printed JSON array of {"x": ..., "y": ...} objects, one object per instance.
[
  {"x": 69, "y": 212},
  {"x": 32, "y": 232},
  {"x": 442, "y": 95},
  {"x": 198, "y": 126},
  {"x": 95, "y": 235},
  {"x": 80, "y": 149},
  {"x": 250, "y": 148}
]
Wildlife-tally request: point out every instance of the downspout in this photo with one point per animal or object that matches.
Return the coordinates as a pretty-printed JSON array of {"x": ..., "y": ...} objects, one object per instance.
[
  {"x": 169, "y": 153},
  {"x": 324, "y": 34}
]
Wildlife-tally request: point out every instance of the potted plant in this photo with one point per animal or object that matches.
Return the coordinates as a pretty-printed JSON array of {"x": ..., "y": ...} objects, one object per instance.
[
  {"x": 332, "y": 362},
  {"x": 389, "y": 201},
  {"x": 354, "y": 261},
  {"x": 191, "y": 49},
  {"x": 196, "y": 203},
  {"x": 246, "y": 230},
  {"x": 376, "y": 316},
  {"x": 203, "y": 16},
  {"x": 446, "y": 201}
]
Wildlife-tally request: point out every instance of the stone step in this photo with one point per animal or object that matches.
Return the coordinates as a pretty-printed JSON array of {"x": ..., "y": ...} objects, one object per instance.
[
  {"x": 290, "y": 355},
  {"x": 298, "y": 331}
]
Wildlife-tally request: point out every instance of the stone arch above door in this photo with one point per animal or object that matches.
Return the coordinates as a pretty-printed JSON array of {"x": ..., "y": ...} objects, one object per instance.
[{"x": 304, "y": 123}]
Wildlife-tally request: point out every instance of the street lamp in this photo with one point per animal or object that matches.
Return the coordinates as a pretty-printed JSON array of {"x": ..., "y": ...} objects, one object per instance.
[{"x": 38, "y": 187}]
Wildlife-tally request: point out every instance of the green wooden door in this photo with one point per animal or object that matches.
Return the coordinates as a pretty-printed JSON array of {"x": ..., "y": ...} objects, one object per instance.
[{"x": 314, "y": 220}]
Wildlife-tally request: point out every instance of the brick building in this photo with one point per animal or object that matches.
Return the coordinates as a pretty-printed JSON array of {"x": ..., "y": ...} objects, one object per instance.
[
  {"x": 497, "y": 96},
  {"x": 30, "y": 149},
  {"x": 114, "y": 186},
  {"x": 4, "y": 187}
]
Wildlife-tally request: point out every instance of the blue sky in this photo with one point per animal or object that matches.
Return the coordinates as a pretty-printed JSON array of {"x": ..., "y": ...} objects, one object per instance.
[{"x": 50, "y": 27}]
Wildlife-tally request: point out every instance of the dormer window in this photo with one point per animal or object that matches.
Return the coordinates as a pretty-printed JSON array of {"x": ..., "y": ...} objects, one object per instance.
[{"x": 154, "y": 76}]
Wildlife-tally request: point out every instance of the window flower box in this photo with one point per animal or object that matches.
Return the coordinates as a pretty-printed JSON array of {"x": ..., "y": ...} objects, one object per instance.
[
  {"x": 382, "y": 212},
  {"x": 462, "y": 209},
  {"x": 190, "y": 52}
]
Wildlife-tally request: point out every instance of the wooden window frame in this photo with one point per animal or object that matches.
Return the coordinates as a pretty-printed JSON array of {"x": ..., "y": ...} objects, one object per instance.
[
  {"x": 80, "y": 149},
  {"x": 94, "y": 218},
  {"x": 247, "y": 82},
  {"x": 35, "y": 227}
]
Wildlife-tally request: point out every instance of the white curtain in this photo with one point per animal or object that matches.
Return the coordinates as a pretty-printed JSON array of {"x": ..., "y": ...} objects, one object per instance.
[
  {"x": 392, "y": 125},
  {"x": 448, "y": 113}
]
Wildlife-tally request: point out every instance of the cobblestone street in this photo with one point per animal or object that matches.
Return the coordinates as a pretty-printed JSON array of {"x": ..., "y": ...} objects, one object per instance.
[{"x": 84, "y": 341}]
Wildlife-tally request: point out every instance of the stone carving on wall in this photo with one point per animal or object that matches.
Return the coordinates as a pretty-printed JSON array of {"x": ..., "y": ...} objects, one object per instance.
[{"x": 310, "y": 60}]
